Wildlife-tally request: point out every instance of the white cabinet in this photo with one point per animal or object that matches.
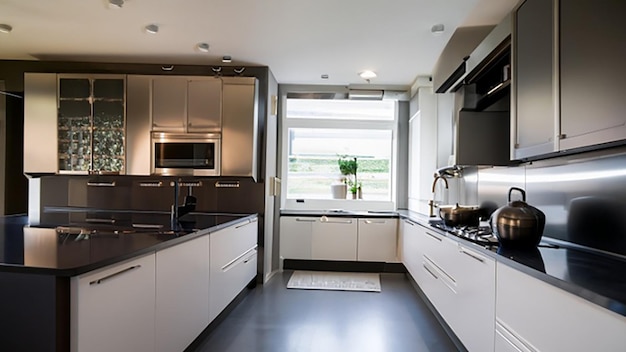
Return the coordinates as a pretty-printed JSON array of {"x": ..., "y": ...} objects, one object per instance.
[
  {"x": 474, "y": 314},
  {"x": 233, "y": 263},
  {"x": 377, "y": 240},
  {"x": 182, "y": 294},
  {"x": 458, "y": 281},
  {"x": 535, "y": 316},
  {"x": 339, "y": 238},
  {"x": 186, "y": 103},
  {"x": 411, "y": 252},
  {"x": 334, "y": 238},
  {"x": 295, "y": 237},
  {"x": 112, "y": 309}
]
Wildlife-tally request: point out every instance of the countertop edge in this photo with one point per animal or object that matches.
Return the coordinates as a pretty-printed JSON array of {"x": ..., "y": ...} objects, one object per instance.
[{"x": 120, "y": 258}]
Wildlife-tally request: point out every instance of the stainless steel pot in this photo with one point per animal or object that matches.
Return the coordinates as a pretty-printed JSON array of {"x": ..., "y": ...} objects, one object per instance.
[
  {"x": 458, "y": 215},
  {"x": 518, "y": 224}
]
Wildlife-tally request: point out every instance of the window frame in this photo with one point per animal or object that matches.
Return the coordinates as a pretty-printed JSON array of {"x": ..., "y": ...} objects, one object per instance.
[{"x": 327, "y": 204}]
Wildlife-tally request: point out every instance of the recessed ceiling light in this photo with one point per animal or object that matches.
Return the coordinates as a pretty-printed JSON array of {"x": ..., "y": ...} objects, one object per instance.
[
  {"x": 204, "y": 47},
  {"x": 324, "y": 76},
  {"x": 227, "y": 59},
  {"x": 5, "y": 28},
  {"x": 152, "y": 28},
  {"x": 437, "y": 29},
  {"x": 367, "y": 74},
  {"x": 116, "y": 4}
]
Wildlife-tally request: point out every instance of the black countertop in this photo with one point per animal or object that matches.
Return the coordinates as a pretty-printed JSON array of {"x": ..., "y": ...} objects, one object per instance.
[
  {"x": 596, "y": 276},
  {"x": 75, "y": 247}
]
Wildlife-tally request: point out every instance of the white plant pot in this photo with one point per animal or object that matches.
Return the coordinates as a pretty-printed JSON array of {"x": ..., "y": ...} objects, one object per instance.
[{"x": 339, "y": 190}]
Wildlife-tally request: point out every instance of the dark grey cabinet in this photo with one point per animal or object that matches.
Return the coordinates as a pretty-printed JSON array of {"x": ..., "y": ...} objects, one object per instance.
[
  {"x": 535, "y": 77},
  {"x": 568, "y": 76},
  {"x": 592, "y": 55}
]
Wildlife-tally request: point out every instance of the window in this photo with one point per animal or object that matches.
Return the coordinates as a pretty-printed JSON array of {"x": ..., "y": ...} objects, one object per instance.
[{"x": 317, "y": 133}]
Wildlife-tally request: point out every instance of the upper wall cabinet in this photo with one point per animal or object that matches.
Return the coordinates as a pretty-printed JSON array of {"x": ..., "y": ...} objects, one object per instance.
[
  {"x": 186, "y": 104},
  {"x": 577, "y": 44},
  {"x": 536, "y": 92},
  {"x": 592, "y": 72},
  {"x": 240, "y": 123},
  {"x": 74, "y": 123}
]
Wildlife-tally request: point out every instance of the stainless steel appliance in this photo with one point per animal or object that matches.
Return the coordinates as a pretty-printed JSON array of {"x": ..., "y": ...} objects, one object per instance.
[{"x": 186, "y": 154}]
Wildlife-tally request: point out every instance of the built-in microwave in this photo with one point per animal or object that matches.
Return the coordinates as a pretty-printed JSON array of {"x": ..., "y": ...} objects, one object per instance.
[{"x": 186, "y": 154}]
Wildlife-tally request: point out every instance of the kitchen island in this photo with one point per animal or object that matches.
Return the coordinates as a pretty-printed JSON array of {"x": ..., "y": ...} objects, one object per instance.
[{"x": 44, "y": 268}]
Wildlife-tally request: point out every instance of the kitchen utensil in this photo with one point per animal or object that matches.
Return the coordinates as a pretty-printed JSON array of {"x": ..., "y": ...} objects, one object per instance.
[
  {"x": 458, "y": 215},
  {"x": 518, "y": 224}
]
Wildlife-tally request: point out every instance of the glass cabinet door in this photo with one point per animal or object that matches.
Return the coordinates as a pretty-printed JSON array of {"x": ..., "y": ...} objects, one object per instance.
[{"x": 91, "y": 124}]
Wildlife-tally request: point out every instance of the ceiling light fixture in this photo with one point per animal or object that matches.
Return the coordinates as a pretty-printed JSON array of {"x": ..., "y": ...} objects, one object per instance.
[
  {"x": 152, "y": 28},
  {"x": 204, "y": 47},
  {"x": 367, "y": 74},
  {"x": 116, "y": 4},
  {"x": 5, "y": 28},
  {"x": 437, "y": 29},
  {"x": 227, "y": 59}
]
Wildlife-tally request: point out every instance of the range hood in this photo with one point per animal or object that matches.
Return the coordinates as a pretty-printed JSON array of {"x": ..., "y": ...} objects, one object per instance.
[{"x": 465, "y": 53}]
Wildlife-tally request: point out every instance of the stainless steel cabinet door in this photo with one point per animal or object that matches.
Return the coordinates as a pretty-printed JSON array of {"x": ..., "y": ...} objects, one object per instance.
[
  {"x": 204, "y": 104},
  {"x": 592, "y": 74},
  {"x": 535, "y": 98},
  {"x": 240, "y": 127},
  {"x": 169, "y": 104}
]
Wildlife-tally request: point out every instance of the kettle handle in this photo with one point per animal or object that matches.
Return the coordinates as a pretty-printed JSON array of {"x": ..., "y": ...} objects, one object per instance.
[{"x": 517, "y": 189}]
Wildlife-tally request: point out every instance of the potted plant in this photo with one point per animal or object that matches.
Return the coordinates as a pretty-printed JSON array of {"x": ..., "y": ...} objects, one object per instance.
[{"x": 348, "y": 167}]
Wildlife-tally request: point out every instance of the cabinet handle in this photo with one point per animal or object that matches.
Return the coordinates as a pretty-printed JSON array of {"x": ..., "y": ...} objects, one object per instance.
[
  {"x": 246, "y": 223},
  {"x": 375, "y": 221},
  {"x": 227, "y": 184},
  {"x": 151, "y": 184},
  {"x": 430, "y": 272},
  {"x": 101, "y": 221},
  {"x": 562, "y": 136},
  {"x": 229, "y": 264},
  {"x": 305, "y": 220},
  {"x": 327, "y": 220},
  {"x": 433, "y": 236},
  {"x": 99, "y": 281},
  {"x": 472, "y": 255},
  {"x": 410, "y": 222},
  {"x": 101, "y": 184}
]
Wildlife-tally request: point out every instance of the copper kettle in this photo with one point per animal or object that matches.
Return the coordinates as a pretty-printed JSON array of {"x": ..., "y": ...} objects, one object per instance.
[{"x": 518, "y": 224}]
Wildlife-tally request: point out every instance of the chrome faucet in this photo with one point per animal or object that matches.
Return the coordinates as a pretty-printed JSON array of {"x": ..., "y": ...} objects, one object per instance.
[
  {"x": 189, "y": 203},
  {"x": 431, "y": 203}
]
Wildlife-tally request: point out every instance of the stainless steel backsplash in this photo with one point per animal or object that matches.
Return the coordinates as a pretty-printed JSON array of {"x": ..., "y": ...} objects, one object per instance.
[{"x": 583, "y": 196}]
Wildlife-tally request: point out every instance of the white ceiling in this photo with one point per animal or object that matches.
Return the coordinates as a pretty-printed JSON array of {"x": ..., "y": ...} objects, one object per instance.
[{"x": 299, "y": 40}]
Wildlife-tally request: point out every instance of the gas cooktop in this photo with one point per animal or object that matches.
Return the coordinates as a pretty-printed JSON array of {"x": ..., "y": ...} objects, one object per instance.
[{"x": 481, "y": 234}]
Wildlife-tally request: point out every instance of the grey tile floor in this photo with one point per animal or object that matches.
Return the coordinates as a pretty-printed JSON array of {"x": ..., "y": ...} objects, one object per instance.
[{"x": 274, "y": 318}]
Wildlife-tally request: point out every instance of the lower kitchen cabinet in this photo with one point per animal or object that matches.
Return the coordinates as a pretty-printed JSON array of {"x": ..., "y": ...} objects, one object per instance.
[
  {"x": 182, "y": 294},
  {"x": 532, "y": 315},
  {"x": 410, "y": 249},
  {"x": 458, "y": 281},
  {"x": 295, "y": 237},
  {"x": 377, "y": 240},
  {"x": 339, "y": 238},
  {"x": 112, "y": 309},
  {"x": 233, "y": 263},
  {"x": 334, "y": 238}
]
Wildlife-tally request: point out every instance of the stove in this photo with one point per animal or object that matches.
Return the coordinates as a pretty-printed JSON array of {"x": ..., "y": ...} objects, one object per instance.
[{"x": 481, "y": 234}]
